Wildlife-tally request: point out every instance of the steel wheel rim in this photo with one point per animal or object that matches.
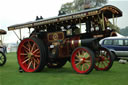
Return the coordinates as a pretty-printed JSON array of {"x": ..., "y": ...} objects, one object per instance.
[
  {"x": 81, "y": 60},
  {"x": 103, "y": 61},
  {"x": 29, "y": 55},
  {"x": 2, "y": 59}
]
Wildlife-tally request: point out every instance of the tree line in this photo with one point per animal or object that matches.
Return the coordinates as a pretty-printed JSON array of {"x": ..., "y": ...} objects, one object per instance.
[
  {"x": 78, "y": 5},
  {"x": 124, "y": 31}
]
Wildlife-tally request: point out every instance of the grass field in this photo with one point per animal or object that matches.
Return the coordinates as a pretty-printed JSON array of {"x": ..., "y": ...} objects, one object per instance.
[{"x": 9, "y": 75}]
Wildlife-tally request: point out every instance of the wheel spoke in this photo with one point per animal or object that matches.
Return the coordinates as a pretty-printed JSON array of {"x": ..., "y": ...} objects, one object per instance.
[
  {"x": 98, "y": 64},
  {"x": 1, "y": 61},
  {"x": 25, "y": 60},
  {"x": 2, "y": 57},
  {"x": 78, "y": 57},
  {"x": 29, "y": 46},
  {"x": 83, "y": 67},
  {"x": 88, "y": 64},
  {"x": 87, "y": 61},
  {"x": 37, "y": 56},
  {"x": 36, "y": 61},
  {"x": 25, "y": 51},
  {"x": 77, "y": 60},
  {"x": 36, "y": 51},
  {"x": 33, "y": 63},
  {"x": 84, "y": 53},
  {"x": 103, "y": 64},
  {"x": 23, "y": 54},
  {"x": 77, "y": 63},
  {"x": 87, "y": 58},
  {"x": 26, "y": 48},
  {"x": 32, "y": 47},
  {"x": 29, "y": 65},
  {"x": 78, "y": 53},
  {"x": 106, "y": 61},
  {"x": 79, "y": 66}
]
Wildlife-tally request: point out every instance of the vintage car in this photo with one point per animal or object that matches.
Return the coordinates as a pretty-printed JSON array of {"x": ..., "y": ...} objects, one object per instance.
[
  {"x": 2, "y": 49},
  {"x": 117, "y": 45},
  {"x": 73, "y": 37}
]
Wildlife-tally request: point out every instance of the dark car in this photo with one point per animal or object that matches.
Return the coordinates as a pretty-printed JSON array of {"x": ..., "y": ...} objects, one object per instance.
[{"x": 118, "y": 46}]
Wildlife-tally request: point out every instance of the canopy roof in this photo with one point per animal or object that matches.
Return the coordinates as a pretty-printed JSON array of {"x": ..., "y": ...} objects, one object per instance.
[
  {"x": 109, "y": 11},
  {"x": 2, "y": 32}
]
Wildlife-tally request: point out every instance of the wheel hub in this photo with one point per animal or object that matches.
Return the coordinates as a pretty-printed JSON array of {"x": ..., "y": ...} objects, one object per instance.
[
  {"x": 82, "y": 61},
  {"x": 30, "y": 55},
  {"x": 102, "y": 58}
]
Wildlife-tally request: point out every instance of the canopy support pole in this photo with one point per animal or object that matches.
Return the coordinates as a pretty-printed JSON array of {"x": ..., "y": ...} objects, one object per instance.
[
  {"x": 116, "y": 21},
  {"x": 29, "y": 30},
  {"x": 80, "y": 25},
  {"x": 16, "y": 35},
  {"x": 103, "y": 21},
  {"x": 113, "y": 19},
  {"x": 1, "y": 40},
  {"x": 20, "y": 35}
]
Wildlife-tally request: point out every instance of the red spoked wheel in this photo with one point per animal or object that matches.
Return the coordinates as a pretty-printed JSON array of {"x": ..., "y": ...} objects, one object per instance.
[
  {"x": 104, "y": 60},
  {"x": 82, "y": 60},
  {"x": 31, "y": 55}
]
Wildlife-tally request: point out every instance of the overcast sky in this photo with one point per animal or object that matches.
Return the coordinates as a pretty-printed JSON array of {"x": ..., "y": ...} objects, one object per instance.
[{"x": 20, "y": 11}]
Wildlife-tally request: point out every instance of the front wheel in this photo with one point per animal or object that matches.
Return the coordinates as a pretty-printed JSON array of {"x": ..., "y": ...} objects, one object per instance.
[
  {"x": 104, "y": 60},
  {"x": 82, "y": 60},
  {"x": 2, "y": 58}
]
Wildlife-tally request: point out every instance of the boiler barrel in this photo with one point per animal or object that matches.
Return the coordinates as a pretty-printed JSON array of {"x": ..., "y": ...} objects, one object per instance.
[{"x": 91, "y": 43}]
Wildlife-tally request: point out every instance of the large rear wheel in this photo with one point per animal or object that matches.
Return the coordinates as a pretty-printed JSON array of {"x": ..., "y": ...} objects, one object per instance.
[
  {"x": 82, "y": 60},
  {"x": 104, "y": 60},
  {"x": 31, "y": 55}
]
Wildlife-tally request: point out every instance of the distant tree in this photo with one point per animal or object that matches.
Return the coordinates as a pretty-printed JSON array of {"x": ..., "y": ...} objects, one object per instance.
[
  {"x": 78, "y": 5},
  {"x": 67, "y": 8},
  {"x": 99, "y": 2},
  {"x": 124, "y": 31}
]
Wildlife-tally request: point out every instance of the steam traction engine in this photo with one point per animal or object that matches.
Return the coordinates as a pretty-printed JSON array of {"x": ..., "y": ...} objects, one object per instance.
[{"x": 74, "y": 37}]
